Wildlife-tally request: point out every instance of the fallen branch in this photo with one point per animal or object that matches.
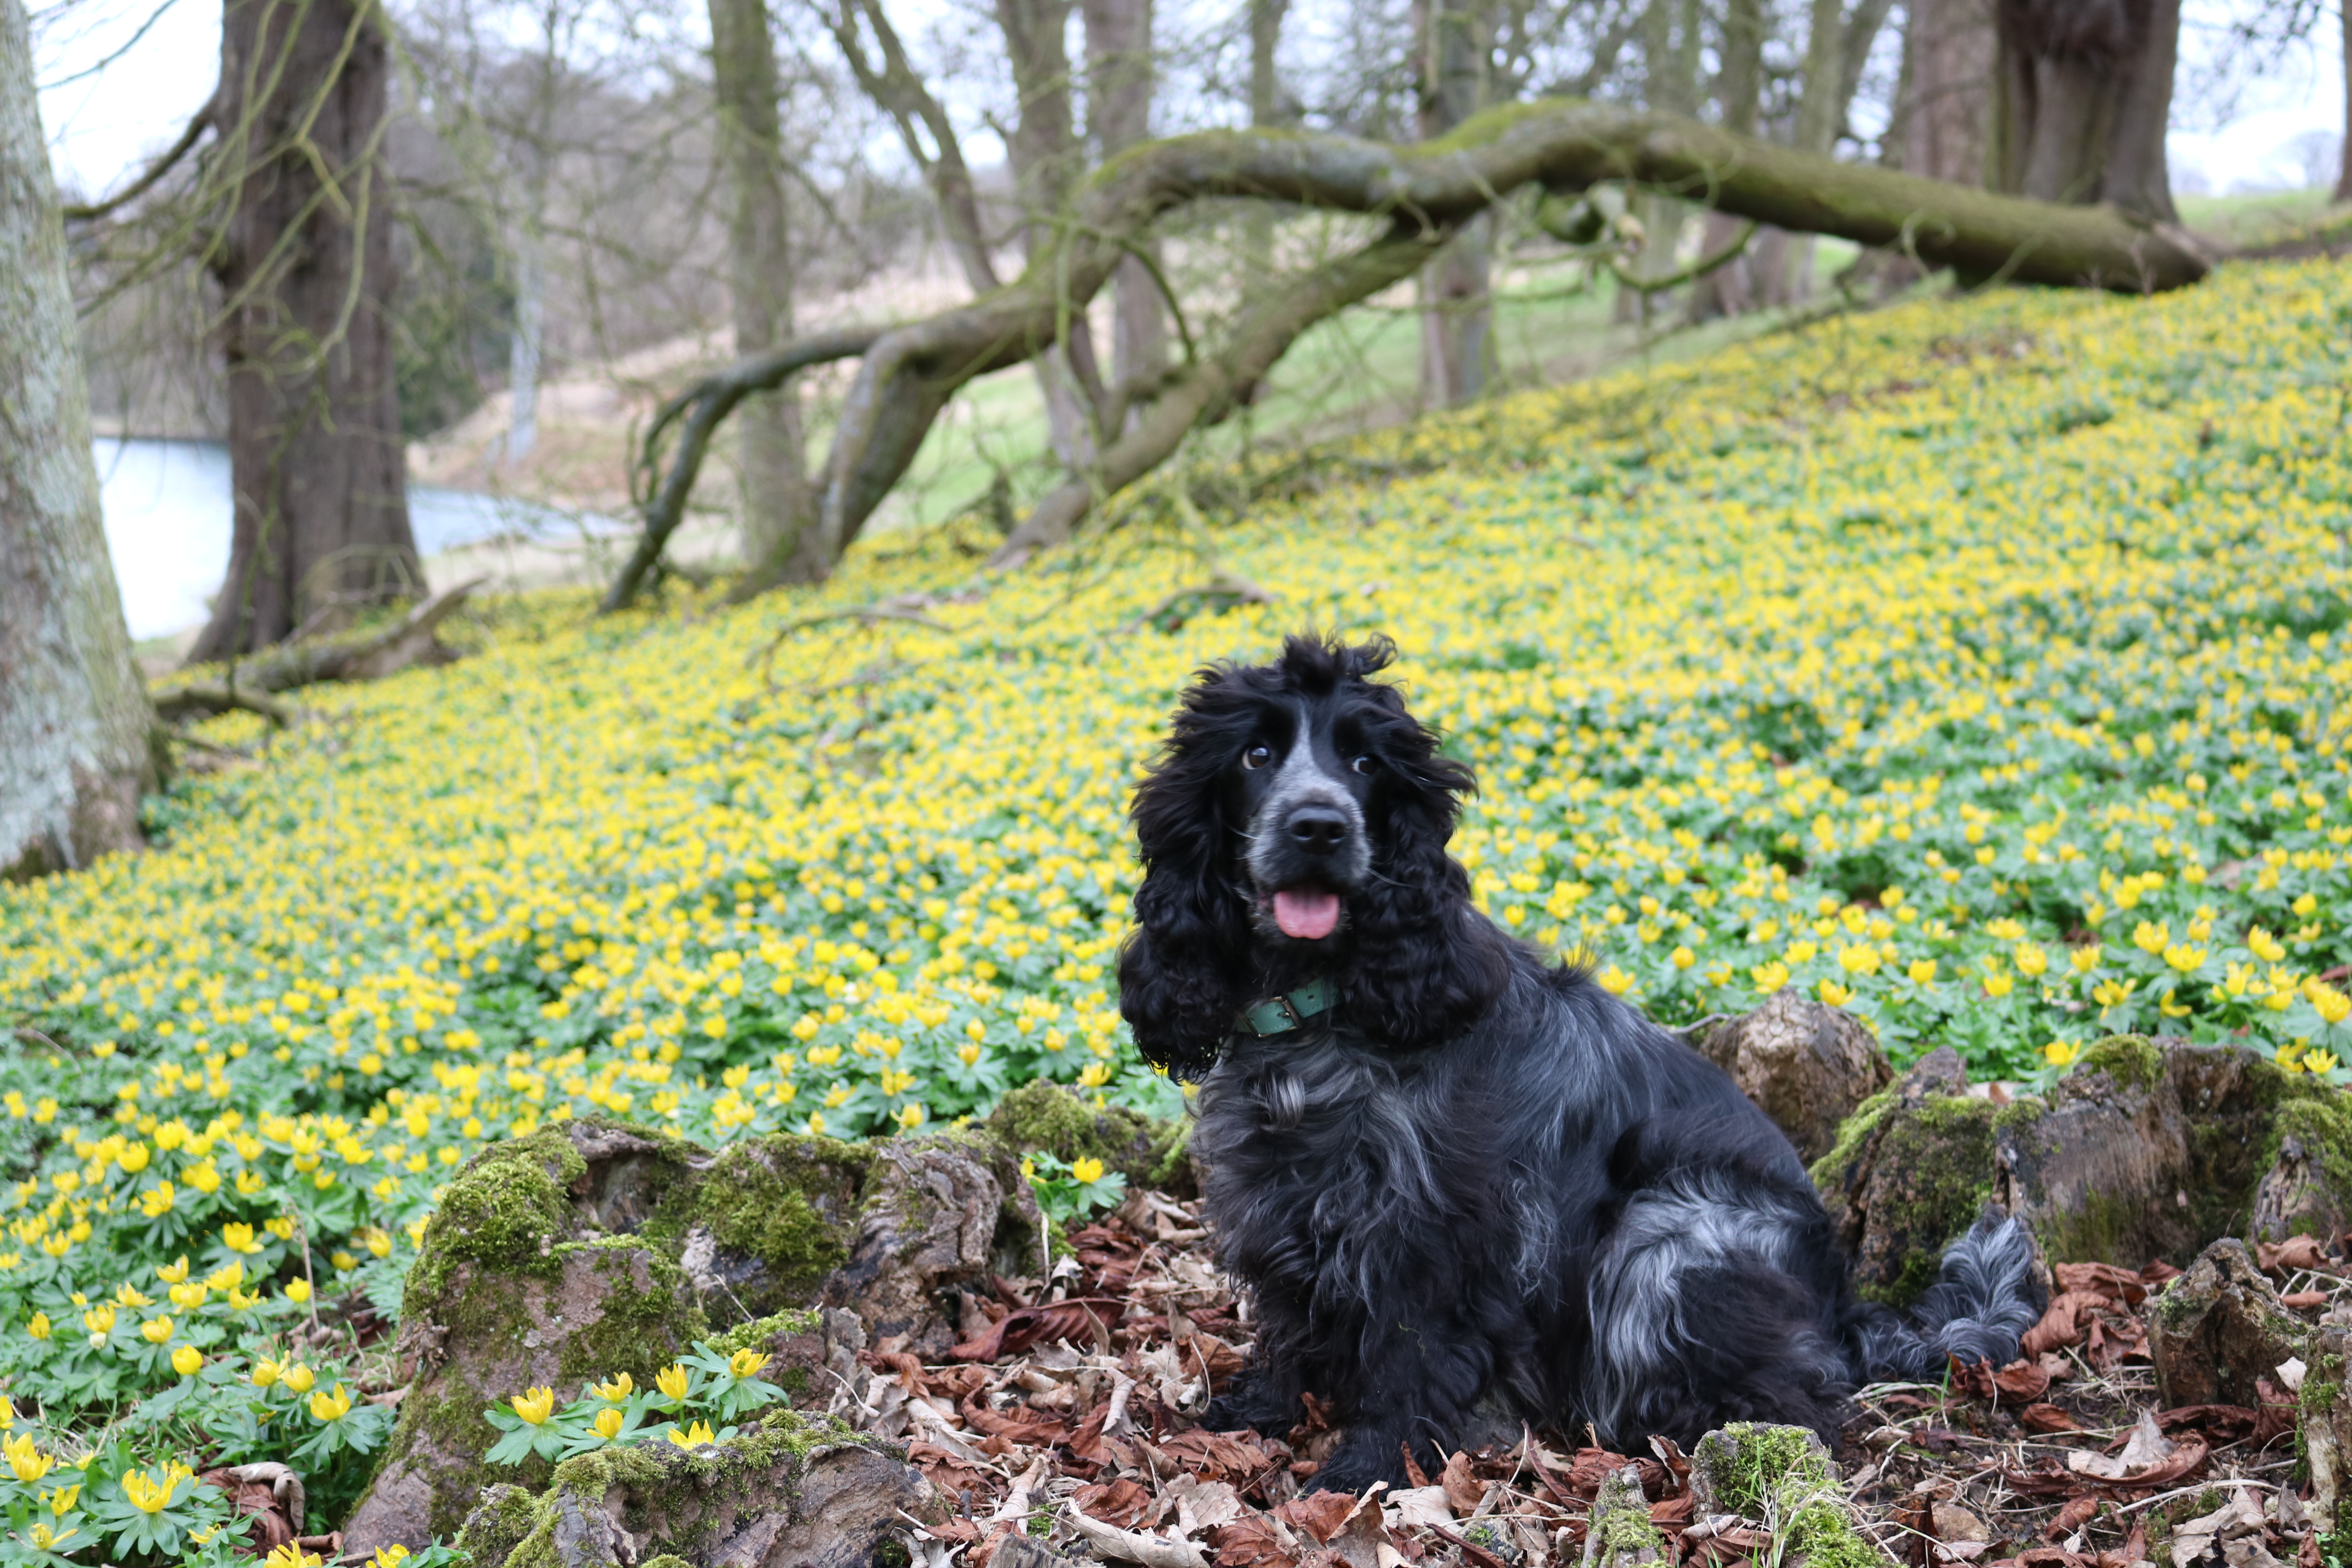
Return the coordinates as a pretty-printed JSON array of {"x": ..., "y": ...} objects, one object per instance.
[
  {"x": 401, "y": 645},
  {"x": 1426, "y": 191},
  {"x": 209, "y": 701},
  {"x": 661, "y": 498}
]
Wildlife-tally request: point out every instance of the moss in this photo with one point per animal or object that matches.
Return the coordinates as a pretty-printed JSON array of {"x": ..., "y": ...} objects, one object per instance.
[
  {"x": 507, "y": 1515},
  {"x": 1047, "y": 1116},
  {"x": 760, "y": 1331},
  {"x": 2132, "y": 1060},
  {"x": 646, "y": 1314},
  {"x": 506, "y": 1210},
  {"x": 1935, "y": 1175},
  {"x": 1780, "y": 1476},
  {"x": 1853, "y": 1135},
  {"x": 764, "y": 1200},
  {"x": 2101, "y": 1227}
]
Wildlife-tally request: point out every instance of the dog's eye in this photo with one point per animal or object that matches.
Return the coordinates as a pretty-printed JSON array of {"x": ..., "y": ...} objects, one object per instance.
[
  {"x": 1365, "y": 764},
  {"x": 1257, "y": 757}
]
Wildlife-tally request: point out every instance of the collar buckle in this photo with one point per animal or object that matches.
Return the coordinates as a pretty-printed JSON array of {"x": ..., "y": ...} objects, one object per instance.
[{"x": 1280, "y": 1014}]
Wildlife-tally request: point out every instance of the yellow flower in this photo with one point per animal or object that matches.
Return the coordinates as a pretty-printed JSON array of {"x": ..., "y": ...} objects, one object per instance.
[
  {"x": 2150, "y": 936},
  {"x": 608, "y": 1423},
  {"x": 264, "y": 1373},
  {"x": 187, "y": 1361},
  {"x": 47, "y": 1540},
  {"x": 1683, "y": 957},
  {"x": 1999, "y": 986},
  {"x": 297, "y": 1378},
  {"x": 238, "y": 1237},
  {"x": 334, "y": 1406},
  {"x": 2184, "y": 958},
  {"x": 2030, "y": 959},
  {"x": 391, "y": 1556},
  {"x": 1859, "y": 958},
  {"x": 620, "y": 1388},
  {"x": 2320, "y": 1061},
  {"x": 173, "y": 1273},
  {"x": 298, "y": 1291},
  {"x": 292, "y": 1556},
  {"x": 2265, "y": 946},
  {"x": 1086, "y": 1170},
  {"x": 1922, "y": 971},
  {"x": 1835, "y": 995},
  {"x": 98, "y": 1321},
  {"x": 150, "y": 1496},
  {"x": 672, "y": 1381},
  {"x": 26, "y": 1462},
  {"x": 2332, "y": 1006},
  {"x": 2084, "y": 958},
  {"x": 155, "y": 1331},
  {"x": 694, "y": 1436},
  {"x": 534, "y": 1407},
  {"x": 1770, "y": 977},
  {"x": 2062, "y": 1053},
  {"x": 62, "y": 1501},
  {"x": 748, "y": 1363},
  {"x": 40, "y": 1327}
]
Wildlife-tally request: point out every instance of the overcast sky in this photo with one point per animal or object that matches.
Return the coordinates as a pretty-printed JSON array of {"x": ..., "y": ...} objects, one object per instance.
[{"x": 104, "y": 119}]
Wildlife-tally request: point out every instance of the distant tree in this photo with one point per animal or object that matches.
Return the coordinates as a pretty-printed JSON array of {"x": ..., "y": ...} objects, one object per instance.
[
  {"x": 74, "y": 717},
  {"x": 1452, "y": 49},
  {"x": 304, "y": 260}
]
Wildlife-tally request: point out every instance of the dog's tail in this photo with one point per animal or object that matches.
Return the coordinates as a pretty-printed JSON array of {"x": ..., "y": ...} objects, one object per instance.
[{"x": 1984, "y": 1298}]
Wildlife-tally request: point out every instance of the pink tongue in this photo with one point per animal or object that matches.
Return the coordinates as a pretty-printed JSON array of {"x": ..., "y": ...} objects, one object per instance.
[{"x": 1309, "y": 916}]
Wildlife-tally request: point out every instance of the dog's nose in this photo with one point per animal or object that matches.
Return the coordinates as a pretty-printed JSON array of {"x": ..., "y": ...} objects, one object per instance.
[{"x": 1318, "y": 829}]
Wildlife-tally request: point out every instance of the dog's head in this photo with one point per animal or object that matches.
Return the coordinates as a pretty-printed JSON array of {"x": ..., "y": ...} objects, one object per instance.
[{"x": 1295, "y": 827}]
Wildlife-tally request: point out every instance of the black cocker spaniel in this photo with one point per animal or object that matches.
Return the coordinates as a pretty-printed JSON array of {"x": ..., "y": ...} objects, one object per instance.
[{"x": 1447, "y": 1170}]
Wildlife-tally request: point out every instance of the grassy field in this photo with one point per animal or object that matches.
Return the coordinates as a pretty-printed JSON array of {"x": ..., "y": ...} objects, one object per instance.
[{"x": 1978, "y": 666}]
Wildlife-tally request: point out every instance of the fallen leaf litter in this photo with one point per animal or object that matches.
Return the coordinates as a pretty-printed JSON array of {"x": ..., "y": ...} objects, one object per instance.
[{"x": 1066, "y": 1420}]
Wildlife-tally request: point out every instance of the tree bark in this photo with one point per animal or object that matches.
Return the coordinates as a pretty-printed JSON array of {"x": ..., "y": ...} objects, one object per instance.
[
  {"x": 1266, "y": 114},
  {"x": 1119, "y": 116},
  {"x": 2344, "y": 30},
  {"x": 1837, "y": 45},
  {"x": 1949, "y": 47},
  {"x": 1670, "y": 69},
  {"x": 777, "y": 502},
  {"x": 1046, "y": 163},
  {"x": 1452, "y": 40},
  {"x": 315, "y": 451},
  {"x": 1730, "y": 290},
  {"x": 2081, "y": 97},
  {"x": 1427, "y": 193},
  {"x": 74, "y": 717}
]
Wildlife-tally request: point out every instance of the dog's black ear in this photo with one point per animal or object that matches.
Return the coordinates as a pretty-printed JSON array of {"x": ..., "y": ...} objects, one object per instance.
[
  {"x": 1182, "y": 970},
  {"x": 1427, "y": 963}
]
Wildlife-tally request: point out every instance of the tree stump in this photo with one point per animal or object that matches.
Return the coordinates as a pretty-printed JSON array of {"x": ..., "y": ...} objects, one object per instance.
[
  {"x": 2219, "y": 1328},
  {"x": 2148, "y": 1150},
  {"x": 1806, "y": 1065}
]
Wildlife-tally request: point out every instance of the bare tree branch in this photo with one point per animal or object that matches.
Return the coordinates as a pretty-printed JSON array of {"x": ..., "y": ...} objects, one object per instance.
[
  {"x": 703, "y": 405},
  {"x": 164, "y": 163},
  {"x": 1426, "y": 191}
]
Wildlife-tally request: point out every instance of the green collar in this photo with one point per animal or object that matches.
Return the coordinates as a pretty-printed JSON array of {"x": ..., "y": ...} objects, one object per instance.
[{"x": 1279, "y": 1015}]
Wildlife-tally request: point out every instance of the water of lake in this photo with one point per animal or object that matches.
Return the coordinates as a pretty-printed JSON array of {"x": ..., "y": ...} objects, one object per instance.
[{"x": 167, "y": 525}]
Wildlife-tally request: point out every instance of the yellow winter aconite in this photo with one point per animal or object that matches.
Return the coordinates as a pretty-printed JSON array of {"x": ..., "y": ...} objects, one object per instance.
[{"x": 1981, "y": 667}]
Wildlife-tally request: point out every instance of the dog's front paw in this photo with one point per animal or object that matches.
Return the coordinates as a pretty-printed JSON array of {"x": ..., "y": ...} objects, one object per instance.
[
  {"x": 1267, "y": 1406},
  {"x": 1357, "y": 1463}
]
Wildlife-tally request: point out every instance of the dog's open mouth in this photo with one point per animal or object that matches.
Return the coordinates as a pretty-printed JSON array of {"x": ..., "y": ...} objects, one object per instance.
[{"x": 1307, "y": 914}]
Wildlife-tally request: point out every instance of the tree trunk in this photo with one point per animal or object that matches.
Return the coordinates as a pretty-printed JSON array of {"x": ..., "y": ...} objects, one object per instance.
[
  {"x": 1730, "y": 290},
  {"x": 1670, "y": 69},
  {"x": 777, "y": 502},
  {"x": 2343, "y": 28},
  {"x": 1266, "y": 114},
  {"x": 315, "y": 452},
  {"x": 1044, "y": 157},
  {"x": 1119, "y": 116},
  {"x": 1837, "y": 45},
  {"x": 2081, "y": 97},
  {"x": 1452, "y": 40},
  {"x": 1948, "y": 45},
  {"x": 74, "y": 719}
]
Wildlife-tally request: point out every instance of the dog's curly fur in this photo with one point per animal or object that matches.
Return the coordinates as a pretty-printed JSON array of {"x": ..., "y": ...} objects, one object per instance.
[{"x": 1479, "y": 1176}]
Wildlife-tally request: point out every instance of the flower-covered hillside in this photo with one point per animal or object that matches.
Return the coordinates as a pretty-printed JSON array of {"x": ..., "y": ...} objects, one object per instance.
[{"x": 1977, "y": 665}]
